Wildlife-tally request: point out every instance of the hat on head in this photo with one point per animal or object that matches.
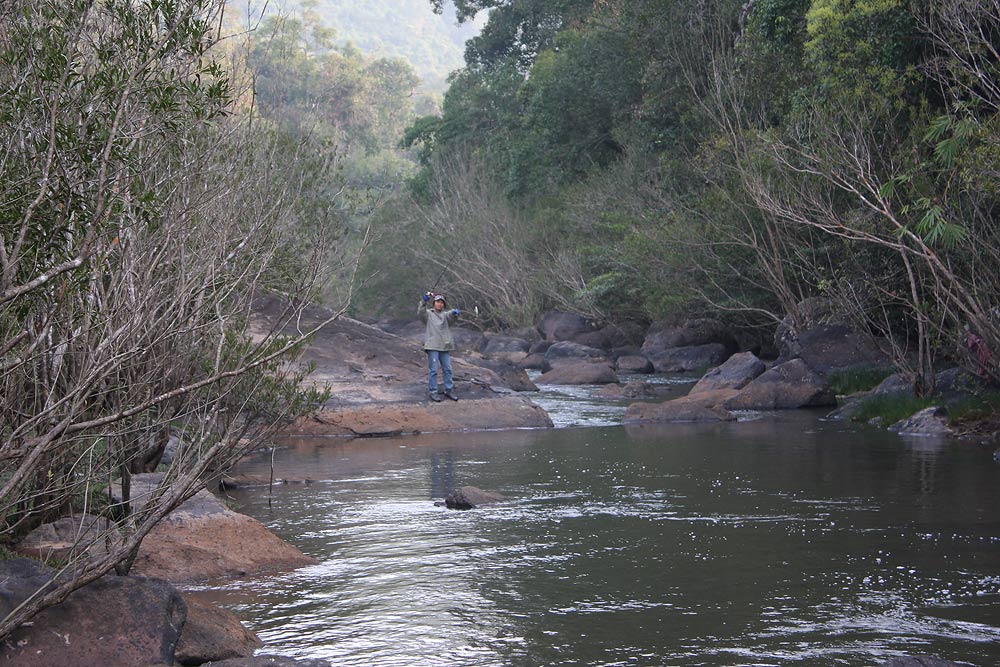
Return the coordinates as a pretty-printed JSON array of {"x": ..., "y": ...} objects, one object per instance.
[{"x": 439, "y": 297}]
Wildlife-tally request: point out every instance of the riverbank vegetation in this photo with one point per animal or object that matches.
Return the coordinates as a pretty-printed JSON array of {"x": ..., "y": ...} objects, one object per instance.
[
  {"x": 661, "y": 158},
  {"x": 148, "y": 194}
]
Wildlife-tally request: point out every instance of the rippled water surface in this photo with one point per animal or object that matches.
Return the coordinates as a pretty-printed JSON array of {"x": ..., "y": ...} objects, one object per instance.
[{"x": 781, "y": 541}]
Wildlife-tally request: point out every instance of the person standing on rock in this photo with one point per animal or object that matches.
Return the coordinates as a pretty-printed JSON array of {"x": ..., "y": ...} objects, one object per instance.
[{"x": 438, "y": 343}]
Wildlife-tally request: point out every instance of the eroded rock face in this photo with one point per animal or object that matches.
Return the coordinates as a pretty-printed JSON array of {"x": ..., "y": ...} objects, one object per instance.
[
  {"x": 113, "y": 622},
  {"x": 212, "y": 633},
  {"x": 579, "y": 372},
  {"x": 787, "y": 386},
  {"x": 737, "y": 372},
  {"x": 932, "y": 421},
  {"x": 203, "y": 539}
]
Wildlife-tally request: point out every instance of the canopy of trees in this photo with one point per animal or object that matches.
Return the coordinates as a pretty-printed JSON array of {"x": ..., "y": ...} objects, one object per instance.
[{"x": 663, "y": 157}]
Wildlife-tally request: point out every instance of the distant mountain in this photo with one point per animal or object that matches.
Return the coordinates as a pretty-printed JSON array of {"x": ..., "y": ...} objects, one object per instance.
[{"x": 433, "y": 44}]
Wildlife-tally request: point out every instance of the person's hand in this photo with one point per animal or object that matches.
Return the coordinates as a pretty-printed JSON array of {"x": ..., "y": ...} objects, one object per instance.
[
  {"x": 456, "y": 312},
  {"x": 427, "y": 297}
]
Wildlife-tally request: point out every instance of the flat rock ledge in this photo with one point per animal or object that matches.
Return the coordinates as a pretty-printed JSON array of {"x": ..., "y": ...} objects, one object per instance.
[{"x": 410, "y": 418}]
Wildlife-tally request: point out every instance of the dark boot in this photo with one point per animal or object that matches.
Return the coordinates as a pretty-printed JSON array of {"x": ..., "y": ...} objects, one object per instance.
[
  {"x": 435, "y": 397},
  {"x": 451, "y": 395}
]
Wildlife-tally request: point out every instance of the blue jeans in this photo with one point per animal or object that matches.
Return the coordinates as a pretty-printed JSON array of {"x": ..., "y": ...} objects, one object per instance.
[{"x": 434, "y": 359}]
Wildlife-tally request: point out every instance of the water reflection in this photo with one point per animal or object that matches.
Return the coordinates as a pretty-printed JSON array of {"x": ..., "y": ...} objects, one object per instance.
[{"x": 778, "y": 541}]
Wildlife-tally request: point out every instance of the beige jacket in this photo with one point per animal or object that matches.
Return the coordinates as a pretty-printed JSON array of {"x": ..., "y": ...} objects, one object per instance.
[{"x": 438, "y": 335}]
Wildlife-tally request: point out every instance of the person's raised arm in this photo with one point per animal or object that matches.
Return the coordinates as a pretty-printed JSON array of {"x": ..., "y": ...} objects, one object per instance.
[{"x": 422, "y": 307}]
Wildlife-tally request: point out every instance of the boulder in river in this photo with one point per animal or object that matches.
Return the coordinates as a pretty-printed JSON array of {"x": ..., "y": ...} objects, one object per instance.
[
  {"x": 703, "y": 407},
  {"x": 534, "y": 361},
  {"x": 634, "y": 364},
  {"x": 932, "y": 421},
  {"x": 579, "y": 372},
  {"x": 203, "y": 539},
  {"x": 470, "y": 497},
  {"x": 826, "y": 341},
  {"x": 498, "y": 343},
  {"x": 567, "y": 351},
  {"x": 212, "y": 633},
  {"x": 667, "y": 335},
  {"x": 558, "y": 325},
  {"x": 786, "y": 386},
  {"x": 737, "y": 372},
  {"x": 112, "y": 622},
  {"x": 509, "y": 371},
  {"x": 687, "y": 359}
]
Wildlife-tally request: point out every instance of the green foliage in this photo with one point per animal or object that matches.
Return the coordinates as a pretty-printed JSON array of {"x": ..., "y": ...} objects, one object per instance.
[
  {"x": 891, "y": 408},
  {"x": 849, "y": 382}
]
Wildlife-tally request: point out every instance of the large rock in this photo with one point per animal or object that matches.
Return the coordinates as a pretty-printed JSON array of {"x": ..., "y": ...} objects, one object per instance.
[
  {"x": 666, "y": 335},
  {"x": 424, "y": 417},
  {"x": 687, "y": 359},
  {"x": 203, "y": 539},
  {"x": 579, "y": 372},
  {"x": 786, "y": 386},
  {"x": 212, "y": 633},
  {"x": 567, "y": 351},
  {"x": 558, "y": 325},
  {"x": 634, "y": 364},
  {"x": 825, "y": 341},
  {"x": 534, "y": 361},
  {"x": 932, "y": 421},
  {"x": 113, "y": 622},
  {"x": 470, "y": 497},
  {"x": 510, "y": 372},
  {"x": 704, "y": 407},
  {"x": 63, "y": 539},
  {"x": 373, "y": 374},
  {"x": 737, "y": 372},
  {"x": 612, "y": 336},
  {"x": 541, "y": 347},
  {"x": 635, "y": 389},
  {"x": 361, "y": 364},
  {"x": 494, "y": 344}
]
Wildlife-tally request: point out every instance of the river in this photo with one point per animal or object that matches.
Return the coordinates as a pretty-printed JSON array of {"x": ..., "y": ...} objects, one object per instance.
[{"x": 782, "y": 540}]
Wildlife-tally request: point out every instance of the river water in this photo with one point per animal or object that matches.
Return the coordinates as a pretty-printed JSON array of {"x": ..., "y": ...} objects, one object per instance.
[{"x": 783, "y": 540}]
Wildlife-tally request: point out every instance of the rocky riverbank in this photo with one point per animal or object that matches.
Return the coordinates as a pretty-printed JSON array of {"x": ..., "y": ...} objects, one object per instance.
[{"x": 376, "y": 382}]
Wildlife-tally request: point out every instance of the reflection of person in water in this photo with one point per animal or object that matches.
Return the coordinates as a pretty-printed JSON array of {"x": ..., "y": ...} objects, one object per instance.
[
  {"x": 442, "y": 474},
  {"x": 978, "y": 348}
]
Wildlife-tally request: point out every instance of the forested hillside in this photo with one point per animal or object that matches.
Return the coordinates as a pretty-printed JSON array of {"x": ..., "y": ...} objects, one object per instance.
[
  {"x": 432, "y": 43},
  {"x": 656, "y": 158}
]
